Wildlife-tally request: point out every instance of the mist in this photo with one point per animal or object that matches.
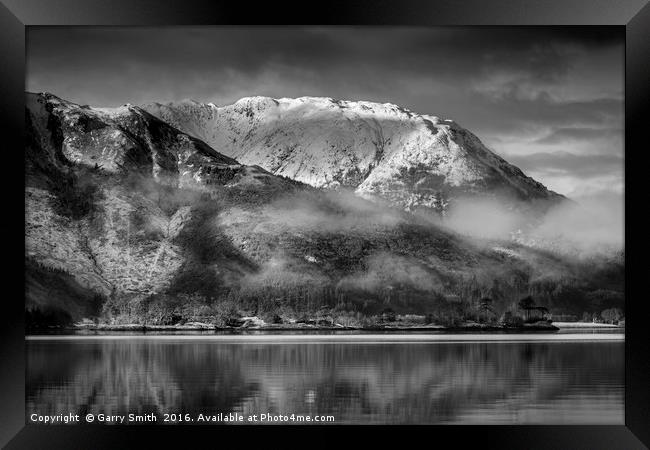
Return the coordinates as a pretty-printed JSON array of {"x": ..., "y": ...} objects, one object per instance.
[
  {"x": 591, "y": 225},
  {"x": 332, "y": 211},
  {"x": 383, "y": 270},
  {"x": 485, "y": 218},
  {"x": 583, "y": 227},
  {"x": 586, "y": 226}
]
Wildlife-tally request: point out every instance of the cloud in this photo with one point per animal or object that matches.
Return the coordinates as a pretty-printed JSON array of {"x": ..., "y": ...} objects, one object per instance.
[
  {"x": 522, "y": 90},
  {"x": 582, "y": 166},
  {"x": 483, "y": 218},
  {"x": 562, "y": 135},
  {"x": 385, "y": 270},
  {"x": 332, "y": 211},
  {"x": 594, "y": 224}
]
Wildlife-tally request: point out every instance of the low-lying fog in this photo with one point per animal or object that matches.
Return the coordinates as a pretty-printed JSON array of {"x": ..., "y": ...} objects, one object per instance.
[{"x": 583, "y": 226}]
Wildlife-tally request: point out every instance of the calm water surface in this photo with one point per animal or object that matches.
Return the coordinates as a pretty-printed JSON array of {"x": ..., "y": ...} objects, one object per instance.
[{"x": 552, "y": 379}]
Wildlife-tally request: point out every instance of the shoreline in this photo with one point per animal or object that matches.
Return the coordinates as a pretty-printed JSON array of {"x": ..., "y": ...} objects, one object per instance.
[
  {"x": 587, "y": 325},
  {"x": 360, "y": 338},
  {"x": 259, "y": 327},
  {"x": 194, "y": 328}
]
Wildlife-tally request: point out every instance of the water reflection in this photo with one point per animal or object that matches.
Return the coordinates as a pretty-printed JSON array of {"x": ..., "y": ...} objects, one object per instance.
[{"x": 534, "y": 382}]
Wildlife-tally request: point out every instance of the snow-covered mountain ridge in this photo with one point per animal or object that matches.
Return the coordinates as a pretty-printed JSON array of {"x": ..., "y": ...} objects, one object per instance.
[
  {"x": 376, "y": 149},
  {"x": 127, "y": 138}
]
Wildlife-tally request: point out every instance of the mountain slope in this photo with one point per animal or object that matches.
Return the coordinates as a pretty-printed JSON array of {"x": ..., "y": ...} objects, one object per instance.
[
  {"x": 108, "y": 192},
  {"x": 130, "y": 139},
  {"x": 377, "y": 149}
]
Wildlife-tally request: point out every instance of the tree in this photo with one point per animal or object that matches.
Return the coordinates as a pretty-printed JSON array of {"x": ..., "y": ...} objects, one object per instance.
[
  {"x": 485, "y": 306},
  {"x": 388, "y": 315},
  {"x": 527, "y": 304},
  {"x": 611, "y": 315},
  {"x": 511, "y": 320},
  {"x": 542, "y": 310}
]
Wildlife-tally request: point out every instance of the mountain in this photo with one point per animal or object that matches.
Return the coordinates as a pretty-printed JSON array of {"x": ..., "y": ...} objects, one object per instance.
[
  {"x": 131, "y": 220},
  {"x": 375, "y": 149},
  {"x": 124, "y": 139},
  {"x": 109, "y": 191}
]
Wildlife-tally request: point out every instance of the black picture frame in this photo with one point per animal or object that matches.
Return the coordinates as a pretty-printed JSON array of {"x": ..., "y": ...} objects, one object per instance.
[{"x": 15, "y": 15}]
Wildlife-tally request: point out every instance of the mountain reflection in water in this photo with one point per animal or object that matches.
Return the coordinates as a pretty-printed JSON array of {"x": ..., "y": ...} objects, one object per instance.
[{"x": 423, "y": 382}]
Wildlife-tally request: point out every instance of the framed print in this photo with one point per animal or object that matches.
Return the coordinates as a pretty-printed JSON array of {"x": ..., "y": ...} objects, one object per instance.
[{"x": 371, "y": 217}]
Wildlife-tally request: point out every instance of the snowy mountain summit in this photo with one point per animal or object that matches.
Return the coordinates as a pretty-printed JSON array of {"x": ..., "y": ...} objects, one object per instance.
[{"x": 375, "y": 149}]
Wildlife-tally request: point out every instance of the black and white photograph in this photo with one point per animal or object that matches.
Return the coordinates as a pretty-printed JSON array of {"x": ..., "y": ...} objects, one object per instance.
[{"x": 347, "y": 225}]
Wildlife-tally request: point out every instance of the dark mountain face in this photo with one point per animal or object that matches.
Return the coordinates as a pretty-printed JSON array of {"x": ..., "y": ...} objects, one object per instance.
[{"x": 130, "y": 220}]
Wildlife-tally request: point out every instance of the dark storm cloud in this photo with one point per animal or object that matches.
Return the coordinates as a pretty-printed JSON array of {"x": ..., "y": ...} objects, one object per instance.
[
  {"x": 447, "y": 53},
  {"x": 521, "y": 90}
]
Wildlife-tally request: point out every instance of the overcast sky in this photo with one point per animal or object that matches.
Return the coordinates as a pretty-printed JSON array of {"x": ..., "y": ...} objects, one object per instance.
[{"x": 549, "y": 100}]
